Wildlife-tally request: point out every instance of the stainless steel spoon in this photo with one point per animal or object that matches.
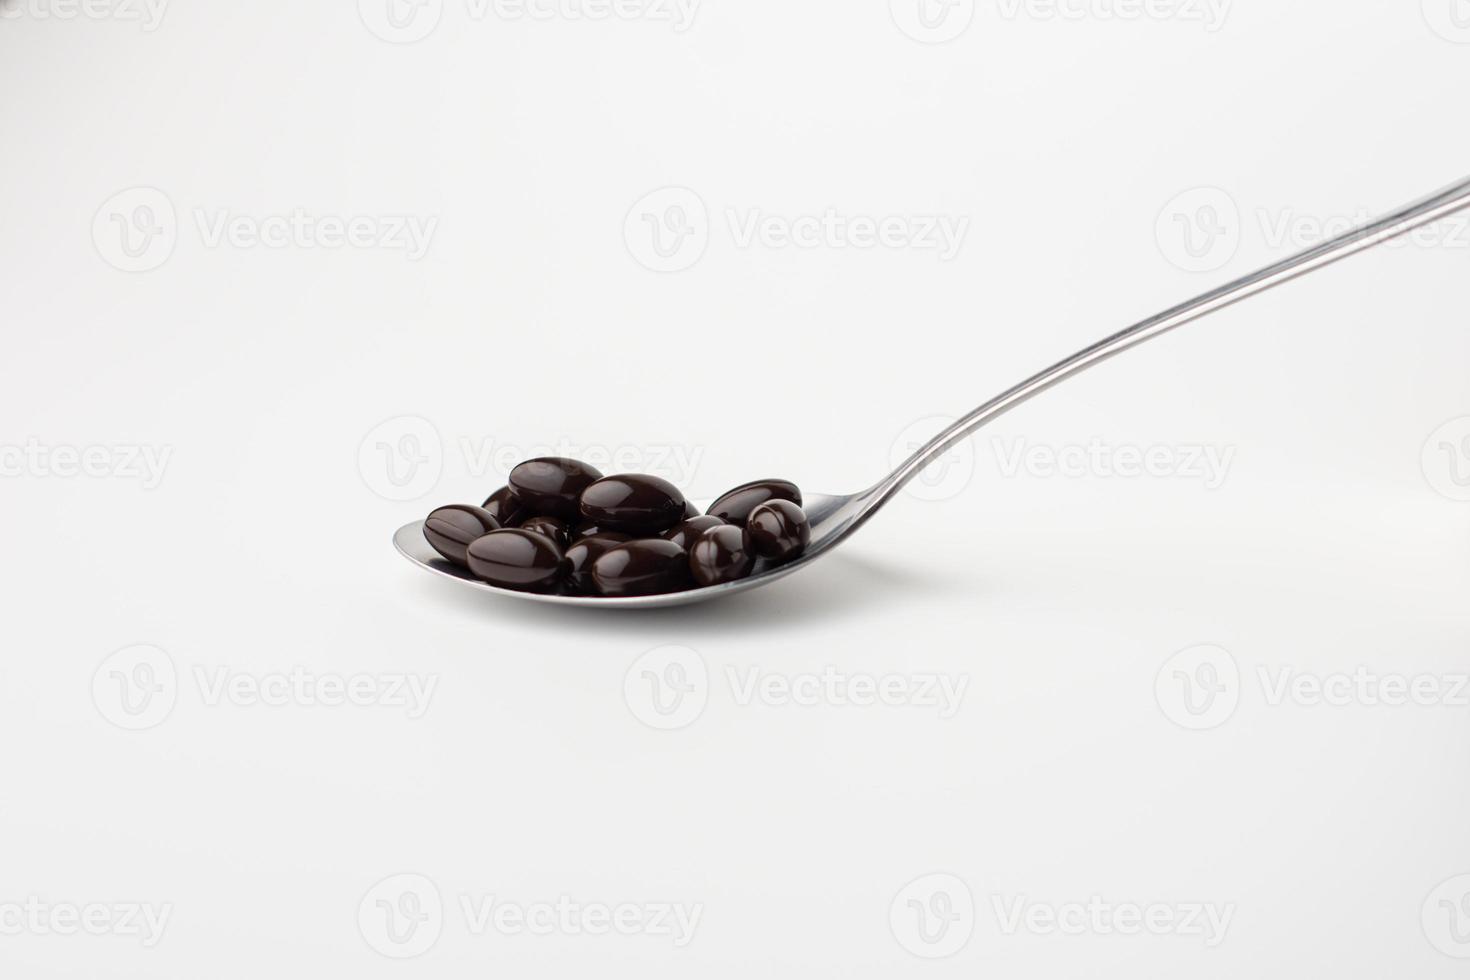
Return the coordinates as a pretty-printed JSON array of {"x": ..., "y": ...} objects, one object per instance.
[{"x": 835, "y": 517}]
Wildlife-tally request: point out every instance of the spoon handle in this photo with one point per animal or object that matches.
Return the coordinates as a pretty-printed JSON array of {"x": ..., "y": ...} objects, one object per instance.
[{"x": 1400, "y": 222}]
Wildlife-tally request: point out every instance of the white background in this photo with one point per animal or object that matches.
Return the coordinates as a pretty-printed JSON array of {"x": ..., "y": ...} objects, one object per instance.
[{"x": 269, "y": 379}]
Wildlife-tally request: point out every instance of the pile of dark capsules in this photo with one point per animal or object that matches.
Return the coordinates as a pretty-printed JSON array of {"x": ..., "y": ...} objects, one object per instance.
[{"x": 560, "y": 526}]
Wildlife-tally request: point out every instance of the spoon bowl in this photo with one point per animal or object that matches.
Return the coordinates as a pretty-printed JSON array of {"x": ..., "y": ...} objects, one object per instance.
[
  {"x": 834, "y": 518},
  {"x": 826, "y": 514}
]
